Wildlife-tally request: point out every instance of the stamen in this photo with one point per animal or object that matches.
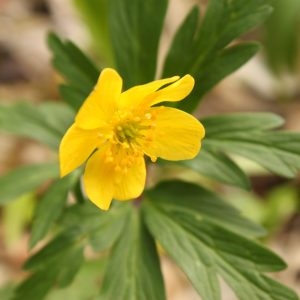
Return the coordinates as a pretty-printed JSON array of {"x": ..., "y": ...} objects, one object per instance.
[{"x": 148, "y": 116}]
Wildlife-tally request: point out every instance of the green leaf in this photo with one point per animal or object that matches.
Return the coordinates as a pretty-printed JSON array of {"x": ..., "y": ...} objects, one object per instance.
[
  {"x": 249, "y": 135},
  {"x": 95, "y": 14},
  {"x": 219, "y": 167},
  {"x": 44, "y": 123},
  {"x": 204, "y": 250},
  {"x": 203, "y": 46},
  {"x": 240, "y": 122},
  {"x": 101, "y": 228},
  {"x": 85, "y": 286},
  {"x": 77, "y": 69},
  {"x": 50, "y": 207},
  {"x": 281, "y": 36},
  {"x": 135, "y": 28},
  {"x": 223, "y": 64},
  {"x": 198, "y": 203},
  {"x": 24, "y": 180},
  {"x": 133, "y": 271},
  {"x": 58, "y": 262},
  {"x": 278, "y": 152}
]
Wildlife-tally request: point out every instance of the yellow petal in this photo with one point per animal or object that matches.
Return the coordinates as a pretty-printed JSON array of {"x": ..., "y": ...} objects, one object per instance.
[
  {"x": 133, "y": 97},
  {"x": 176, "y": 135},
  {"x": 98, "y": 180},
  {"x": 173, "y": 92},
  {"x": 100, "y": 104},
  {"x": 75, "y": 148},
  {"x": 130, "y": 185}
]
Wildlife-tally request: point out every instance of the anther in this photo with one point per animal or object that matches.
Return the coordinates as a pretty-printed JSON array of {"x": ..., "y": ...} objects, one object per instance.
[{"x": 148, "y": 116}]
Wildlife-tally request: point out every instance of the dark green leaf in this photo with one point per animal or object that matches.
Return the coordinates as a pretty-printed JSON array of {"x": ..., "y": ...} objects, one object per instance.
[
  {"x": 217, "y": 68},
  {"x": 219, "y": 167},
  {"x": 133, "y": 271},
  {"x": 44, "y": 123},
  {"x": 203, "y": 46},
  {"x": 185, "y": 35},
  {"x": 36, "y": 286},
  {"x": 78, "y": 70},
  {"x": 50, "y": 207},
  {"x": 204, "y": 250},
  {"x": 72, "y": 95},
  {"x": 135, "y": 28},
  {"x": 198, "y": 203},
  {"x": 24, "y": 180}
]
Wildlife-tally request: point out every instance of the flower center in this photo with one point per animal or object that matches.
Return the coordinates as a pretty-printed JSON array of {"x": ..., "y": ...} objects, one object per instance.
[{"x": 127, "y": 133}]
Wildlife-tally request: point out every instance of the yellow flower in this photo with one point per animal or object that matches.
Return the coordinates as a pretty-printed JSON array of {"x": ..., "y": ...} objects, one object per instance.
[{"x": 113, "y": 131}]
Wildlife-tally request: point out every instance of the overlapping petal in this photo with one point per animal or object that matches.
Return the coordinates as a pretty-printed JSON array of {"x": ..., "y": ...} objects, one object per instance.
[
  {"x": 75, "y": 148},
  {"x": 135, "y": 96},
  {"x": 131, "y": 184},
  {"x": 101, "y": 103},
  {"x": 113, "y": 131},
  {"x": 98, "y": 180},
  {"x": 176, "y": 135},
  {"x": 173, "y": 92}
]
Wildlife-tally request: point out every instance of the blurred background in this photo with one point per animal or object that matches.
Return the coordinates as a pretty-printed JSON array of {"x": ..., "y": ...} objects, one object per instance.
[{"x": 269, "y": 82}]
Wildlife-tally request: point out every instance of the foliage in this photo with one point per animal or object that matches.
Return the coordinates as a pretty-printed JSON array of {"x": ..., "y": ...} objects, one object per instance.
[{"x": 205, "y": 236}]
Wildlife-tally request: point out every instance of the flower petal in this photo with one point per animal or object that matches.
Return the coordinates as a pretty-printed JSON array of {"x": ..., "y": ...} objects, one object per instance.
[
  {"x": 173, "y": 92},
  {"x": 100, "y": 104},
  {"x": 98, "y": 180},
  {"x": 133, "y": 97},
  {"x": 130, "y": 185},
  {"x": 175, "y": 136},
  {"x": 75, "y": 148}
]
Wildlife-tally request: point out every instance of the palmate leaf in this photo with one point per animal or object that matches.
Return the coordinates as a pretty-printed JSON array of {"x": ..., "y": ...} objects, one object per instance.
[
  {"x": 200, "y": 51},
  {"x": 218, "y": 166},
  {"x": 77, "y": 69},
  {"x": 133, "y": 271},
  {"x": 277, "y": 151},
  {"x": 50, "y": 207},
  {"x": 25, "y": 179},
  {"x": 205, "y": 250},
  {"x": 135, "y": 28},
  {"x": 58, "y": 262},
  {"x": 45, "y": 123}
]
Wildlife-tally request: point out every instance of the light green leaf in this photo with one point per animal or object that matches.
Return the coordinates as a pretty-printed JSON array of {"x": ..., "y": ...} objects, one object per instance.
[
  {"x": 58, "y": 262},
  {"x": 101, "y": 228},
  {"x": 44, "y": 123},
  {"x": 85, "y": 286},
  {"x": 50, "y": 207},
  {"x": 240, "y": 122},
  {"x": 95, "y": 14},
  {"x": 25, "y": 179},
  {"x": 281, "y": 39},
  {"x": 204, "y": 250},
  {"x": 77, "y": 69},
  {"x": 197, "y": 203},
  {"x": 198, "y": 49},
  {"x": 133, "y": 271},
  {"x": 248, "y": 135},
  {"x": 278, "y": 152},
  {"x": 135, "y": 28},
  {"x": 219, "y": 167}
]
